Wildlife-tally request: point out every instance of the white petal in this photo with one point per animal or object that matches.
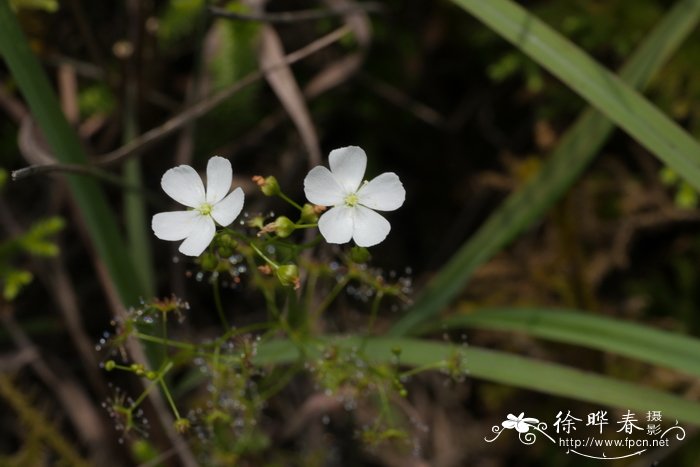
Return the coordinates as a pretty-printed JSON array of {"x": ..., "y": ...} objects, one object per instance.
[
  {"x": 370, "y": 228},
  {"x": 336, "y": 225},
  {"x": 509, "y": 424},
  {"x": 522, "y": 427},
  {"x": 320, "y": 187},
  {"x": 174, "y": 225},
  {"x": 219, "y": 176},
  {"x": 200, "y": 237},
  {"x": 348, "y": 166},
  {"x": 226, "y": 210},
  {"x": 184, "y": 185},
  {"x": 383, "y": 193}
]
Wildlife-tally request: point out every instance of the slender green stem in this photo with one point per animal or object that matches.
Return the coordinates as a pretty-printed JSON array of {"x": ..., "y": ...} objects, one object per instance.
[
  {"x": 334, "y": 293},
  {"x": 372, "y": 317},
  {"x": 168, "y": 342},
  {"x": 375, "y": 309},
  {"x": 305, "y": 226},
  {"x": 420, "y": 369},
  {"x": 289, "y": 200},
  {"x": 164, "y": 333},
  {"x": 281, "y": 382},
  {"x": 217, "y": 303},
  {"x": 146, "y": 391},
  {"x": 262, "y": 255},
  {"x": 169, "y": 397}
]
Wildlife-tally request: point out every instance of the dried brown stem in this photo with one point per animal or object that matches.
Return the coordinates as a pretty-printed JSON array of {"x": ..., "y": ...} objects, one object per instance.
[{"x": 209, "y": 103}]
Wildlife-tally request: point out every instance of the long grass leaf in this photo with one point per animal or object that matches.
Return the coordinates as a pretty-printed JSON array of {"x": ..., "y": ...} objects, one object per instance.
[
  {"x": 573, "y": 154},
  {"x": 639, "y": 342},
  {"x": 503, "y": 368},
  {"x": 35, "y": 87}
]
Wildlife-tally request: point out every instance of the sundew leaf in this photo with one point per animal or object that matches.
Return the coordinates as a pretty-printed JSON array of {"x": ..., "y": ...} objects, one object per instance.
[
  {"x": 575, "y": 327},
  {"x": 497, "y": 367},
  {"x": 577, "y": 148}
]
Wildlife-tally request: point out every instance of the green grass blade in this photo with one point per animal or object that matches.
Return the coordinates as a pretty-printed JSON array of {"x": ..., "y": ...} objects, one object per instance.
[
  {"x": 511, "y": 370},
  {"x": 601, "y": 88},
  {"x": 35, "y": 87},
  {"x": 577, "y": 328},
  {"x": 577, "y": 148}
]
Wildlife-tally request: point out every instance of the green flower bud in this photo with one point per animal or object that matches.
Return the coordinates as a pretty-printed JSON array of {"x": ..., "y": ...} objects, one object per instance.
[
  {"x": 208, "y": 261},
  {"x": 308, "y": 214},
  {"x": 256, "y": 222},
  {"x": 182, "y": 425},
  {"x": 360, "y": 254},
  {"x": 269, "y": 186},
  {"x": 284, "y": 227},
  {"x": 226, "y": 243},
  {"x": 138, "y": 369},
  {"x": 288, "y": 275},
  {"x": 110, "y": 365},
  {"x": 151, "y": 375}
]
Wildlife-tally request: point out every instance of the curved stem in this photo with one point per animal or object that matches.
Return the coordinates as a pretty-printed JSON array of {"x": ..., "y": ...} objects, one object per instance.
[{"x": 217, "y": 303}]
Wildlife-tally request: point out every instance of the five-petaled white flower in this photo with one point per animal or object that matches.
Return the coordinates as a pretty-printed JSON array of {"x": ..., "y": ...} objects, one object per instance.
[
  {"x": 196, "y": 226},
  {"x": 522, "y": 425},
  {"x": 352, "y": 215}
]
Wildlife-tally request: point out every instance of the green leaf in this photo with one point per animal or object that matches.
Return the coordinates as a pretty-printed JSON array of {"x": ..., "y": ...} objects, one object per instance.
[
  {"x": 97, "y": 214},
  {"x": 14, "y": 280},
  {"x": 49, "y": 6},
  {"x": 499, "y": 367},
  {"x": 596, "y": 332},
  {"x": 573, "y": 154},
  {"x": 601, "y": 88}
]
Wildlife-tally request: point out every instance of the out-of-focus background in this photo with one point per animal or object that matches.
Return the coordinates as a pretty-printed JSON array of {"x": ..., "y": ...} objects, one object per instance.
[{"x": 428, "y": 92}]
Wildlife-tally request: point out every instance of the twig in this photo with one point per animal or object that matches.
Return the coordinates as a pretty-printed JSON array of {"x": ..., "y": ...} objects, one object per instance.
[
  {"x": 194, "y": 112},
  {"x": 209, "y": 103},
  {"x": 79, "y": 169},
  {"x": 299, "y": 15},
  {"x": 404, "y": 101}
]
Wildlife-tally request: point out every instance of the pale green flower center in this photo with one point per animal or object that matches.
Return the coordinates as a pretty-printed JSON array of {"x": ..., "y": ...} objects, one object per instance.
[
  {"x": 205, "y": 209},
  {"x": 351, "y": 200}
]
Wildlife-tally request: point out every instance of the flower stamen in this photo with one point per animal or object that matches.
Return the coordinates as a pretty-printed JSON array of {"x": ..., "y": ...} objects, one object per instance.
[
  {"x": 351, "y": 200},
  {"x": 205, "y": 209}
]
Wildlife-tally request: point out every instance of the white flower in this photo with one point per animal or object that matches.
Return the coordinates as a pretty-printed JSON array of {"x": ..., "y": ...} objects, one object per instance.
[
  {"x": 196, "y": 226},
  {"x": 352, "y": 215},
  {"x": 521, "y": 423}
]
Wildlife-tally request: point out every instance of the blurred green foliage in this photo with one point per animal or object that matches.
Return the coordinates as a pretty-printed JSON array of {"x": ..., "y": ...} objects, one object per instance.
[
  {"x": 49, "y": 6},
  {"x": 36, "y": 242}
]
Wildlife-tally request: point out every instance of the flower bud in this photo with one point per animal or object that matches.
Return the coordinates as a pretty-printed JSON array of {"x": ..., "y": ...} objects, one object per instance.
[
  {"x": 269, "y": 186},
  {"x": 288, "y": 275},
  {"x": 256, "y": 222},
  {"x": 208, "y": 262},
  {"x": 110, "y": 365},
  {"x": 182, "y": 425},
  {"x": 284, "y": 227},
  {"x": 360, "y": 254},
  {"x": 308, "y": 214}
]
